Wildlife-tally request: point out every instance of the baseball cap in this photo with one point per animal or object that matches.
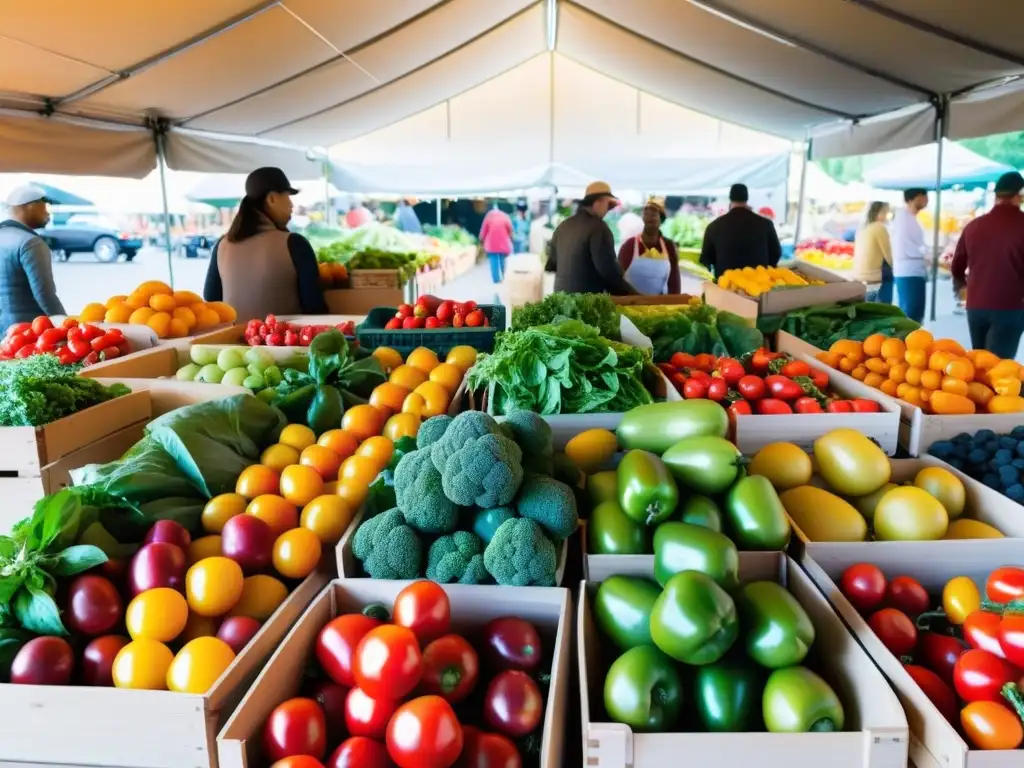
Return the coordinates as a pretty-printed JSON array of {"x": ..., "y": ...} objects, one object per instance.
[
  {"x": 596, "y": 190},
  {"x": 263, "y": 181},
  {"x": 1010, "y": 183},
  {"x": 25, "y": 194},
  {"x": 738, "y": 193}
]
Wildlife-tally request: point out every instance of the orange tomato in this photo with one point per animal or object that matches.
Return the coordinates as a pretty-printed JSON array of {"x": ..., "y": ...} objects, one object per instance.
[
  {"x": 1006, "y": 404},
  {"x": 414, "y": 404},
  {"x": 448, "y": 376},
  {"x": 931, "y": 379},
  {"x": 926, "y": 394},
  {"x": 889, "y": 387},
  {"x": 831, "y": 359},
  {"x": 918, "y": 358},
  {"x": 261, "y": 596},
  {"x": 874, "y": 380},
  {"x": 979, "y": 394},
  {"x": 859, "y": 372},
  {"x": 898, "y": 373},
  {"x": 388, "y": 358},
  {"x": 893, "y": 348},
  {"x": 353, "y": 492},
  {"x": 847, "y": 364},
  {"x": 257, "y": 480},
  {"x": 339, "y": 441},
  {"x": 301, "y": 484},
  {"x": 378, "y": 449},
  {"x": 873, "y": 345},
  {"x": 327, "y": 516},
  {"x": 938, "y": 361},
  {"x": 954, "y": 386},
  {"x": 363, "y": 421},
  {"x": 277, "y": 512},
  {"x": 424, "y": 359},
  {"x": 982, "y": 359},
  {"x": 991, "y": 725},
  {"x": 919, "y": 340},
  {"x": 914, "y": 376},
  {"x": 220, "y": 509},
  {"x": 402, "y": 425},
  {"x": 407, "y": 376},
  {"x": 296, "y": 553},
  {"x": 279, "y": 456},
  {"x": 948, "y": 345},
  {"x": 325, "y": 461},
  {"x": 902, "y": 389},
  {"x": 913, "y": 395},
  {"x": 848, "y": 348},
  {"x": 388, "y": 397},
  {"x": 436, "y": 397},
  {"x": 463, "y": 357},
  {"x": 946, "y": 403},
  {"x": 877, "y": 365},
  {"x": 358, "y": 469},
  {"x": 960, "y": 368},
  {"x": 204, "y": 547},
  {"x": 298, "y": 436},
  {"x": 895, "y": 361}
]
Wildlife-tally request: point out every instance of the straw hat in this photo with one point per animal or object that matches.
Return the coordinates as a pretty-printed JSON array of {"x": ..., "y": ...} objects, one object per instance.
[{"x": 595, "y": 191}]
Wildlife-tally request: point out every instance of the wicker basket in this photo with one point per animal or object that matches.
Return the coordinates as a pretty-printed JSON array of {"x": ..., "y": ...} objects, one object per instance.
[{"x": 375, "y": 278}]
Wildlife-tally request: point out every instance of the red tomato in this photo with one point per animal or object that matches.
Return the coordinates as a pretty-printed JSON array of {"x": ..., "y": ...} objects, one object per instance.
[
  {"x": 487, "y": 750},
  {"x": 1005, "y": 584},
  {"x": 807, "y": 405},
  {"x": 981, "y": 631},
  {"x": 730, "y": 369},
  {"x": 450, "y": 668},
  {"x": 100, "y": 343},
  {"x": 839, "y": 406},
  {"x": 511, "y": 643},
  {"x": 751, "y": 387},
  {"x": 109, "y": 353},
  {"x": 298, "y": 761},
  {"x": 368, "y": 717},
  {"x": 896, "y": 631},
  {"x": 79, "y": 347},
  {"x": 40, "y": 324},
  {"x": 717, "y": 390},
  {"x": 696, "y": 389},
  {"x": 739, "y": 408},
  {"x": 863, "y": 584},
  {"x": 360, "y": 752},
  {"x": 336, "y": 645},
  {"x": 819, "y": 378},
  {"x": 331, "y": 697},
  {"x": 795, "y": 368},
  {"x": 860, "y": 405},
  {"x": 783, "y": 388},
  {"x": 98, "y": 660},
  {"x": 387, "y": 662},
  {"x": 425, "y": 732},
  {"x": 90, "y": 332},
  {"x": 939, "y": 653},
  {"x": 18, "y": 329},
  {"x": 1011, "y": 638},
  {"x": 26, "y": 351},
  {"x": 423, "y": 607},
  {"x": 513, "y": 704},
  {"x": 682, "y": 360},
  {"x": 980, "y": 676},
  {"x": 773, "y": 407},
  {"x": 295, "y": 727},
  {"x": 51, "y": 338},
  {"x": 940, "y": 694},
  {"x": 907, "y": 595}
]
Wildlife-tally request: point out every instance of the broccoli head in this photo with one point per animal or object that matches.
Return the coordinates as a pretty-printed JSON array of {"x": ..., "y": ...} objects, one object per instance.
[
  {"x": 550, "y": 504},
  {"x": 458, "y": 557},
  {"x": 533, "y": 434},
  {"x": 432, "y": 430},
  {"x": 387, "y": 547},
  {"x": 486, "y": 521},
  {"x": 464, "y": 428},
  {"x": 485, "y": 472},
  {"x": 420, "y": 495},
  {"x": 520, "y": 555}
]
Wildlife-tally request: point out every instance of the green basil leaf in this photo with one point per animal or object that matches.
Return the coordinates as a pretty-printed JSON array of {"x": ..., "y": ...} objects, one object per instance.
[
  {"x": 8, "y": 548},
  {"x": 76, "y": 559},
  {"x": 9, "y": 585},
  {"x": 37, "y": 612}
]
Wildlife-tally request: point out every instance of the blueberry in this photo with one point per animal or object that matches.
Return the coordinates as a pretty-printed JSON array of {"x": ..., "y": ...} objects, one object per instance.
[
  {"x": 1016, "y": 492},
  {"x": 1008, "y": 442},
  {"x": 1020, "y": 449},
  {"x": 963, "y": 437},
  {"x": 1018, "y": 463},
  {"x": 991, "y": 445},
  {"x": 979, "y": 456},
  {"x": 992, "y": 481},
  {"x": 941, "y": 448},
  {"x": 957, "y": 464},
  {"x": 1018, "y": 432},
  {"x": 1003, "y": 456},
  {"x": 984, "y": 434},
  {"x": 1008, "y": 475}
]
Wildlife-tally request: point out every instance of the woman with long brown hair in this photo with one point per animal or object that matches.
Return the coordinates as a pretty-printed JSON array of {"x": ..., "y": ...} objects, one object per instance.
[
  {"x": 872, "y": 252},
  {"x": 259, "y": 267}
]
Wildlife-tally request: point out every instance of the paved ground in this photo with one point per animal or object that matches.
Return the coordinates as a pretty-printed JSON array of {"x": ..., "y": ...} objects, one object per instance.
[{"x": 83, "y": 280}]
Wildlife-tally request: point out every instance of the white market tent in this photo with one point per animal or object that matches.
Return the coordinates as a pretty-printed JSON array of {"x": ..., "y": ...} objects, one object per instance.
[{"x": 905, "y": 168}]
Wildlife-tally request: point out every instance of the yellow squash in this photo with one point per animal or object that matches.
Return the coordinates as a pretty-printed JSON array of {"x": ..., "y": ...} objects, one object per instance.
[{"x": 823, "y": 516}]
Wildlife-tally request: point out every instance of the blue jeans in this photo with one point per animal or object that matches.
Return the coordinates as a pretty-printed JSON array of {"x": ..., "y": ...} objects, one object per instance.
[
  {"x": 997, "y": 330},
  {"x": 497, "y": 261},
  {"x": 884, "y": 294},
  {"x": 910, "y": 294}
]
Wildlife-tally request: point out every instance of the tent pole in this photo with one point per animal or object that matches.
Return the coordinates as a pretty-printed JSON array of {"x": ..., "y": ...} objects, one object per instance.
[
  {"x": 162, "y": 163},
  {"x": 940, "y": 133},
  {"x": 439, "y": 211},
  {"x": 800, "y": 194}
]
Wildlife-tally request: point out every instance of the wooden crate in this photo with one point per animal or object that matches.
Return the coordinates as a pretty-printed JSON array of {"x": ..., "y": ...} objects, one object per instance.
[
  {"x": 876, "y": 734},
  {"x": 382, "y": 279},
  {"x": 549, "y": 609},
  {"x": 778, "y": 302}
]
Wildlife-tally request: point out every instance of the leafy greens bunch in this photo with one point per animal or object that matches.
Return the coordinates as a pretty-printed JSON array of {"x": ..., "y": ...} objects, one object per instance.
[
  {"x": 561, "y": 368},
  {"x": 596, "y": 309},
  {"x": 825, "y": 324},
  {"x": 694, "y": 329},
  {"x": 38, "y": 390}
]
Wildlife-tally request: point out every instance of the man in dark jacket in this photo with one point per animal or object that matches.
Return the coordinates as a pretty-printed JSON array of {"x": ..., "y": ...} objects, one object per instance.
[
  {"x": 27, "y": 289},
  {"x": 582, "y": 249},
  {"x": 740, "y": 238}
]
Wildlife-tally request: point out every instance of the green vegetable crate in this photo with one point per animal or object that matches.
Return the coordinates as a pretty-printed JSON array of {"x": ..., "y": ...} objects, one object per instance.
[
  {"x": 875, "y": 732},
  {"x": 548, "y": 609},
  {"x": 371, "y": 333}
]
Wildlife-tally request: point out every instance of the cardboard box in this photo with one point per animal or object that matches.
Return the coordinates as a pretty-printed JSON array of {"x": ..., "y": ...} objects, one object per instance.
[
  {"x": 524, "y": 280},
  {"x": 934, "y": 743},
  {"x": 875, "y": 734},
  {"x": 549, "y": 609},
  {"x": 780, "y": 301},
  {"x": 359, "y": 302},
  {"x": 117, "y": 728}
]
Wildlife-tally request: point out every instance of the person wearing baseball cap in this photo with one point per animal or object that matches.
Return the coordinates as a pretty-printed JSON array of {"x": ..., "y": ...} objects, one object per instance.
[
  {"x": 259, "y": 267},
  {"x": 989, "y": 261},
  {"x": 651, "y": 260},
  {"x": 581, "y": 252},
  {"x": 27, "y": 289},
  {"x": 740, "y": 238}
]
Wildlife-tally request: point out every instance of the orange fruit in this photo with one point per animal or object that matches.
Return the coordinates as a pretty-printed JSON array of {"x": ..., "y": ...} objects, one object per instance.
[
  {"x": 160, "y": 323},
  {"x": 203, "y": 547},
  {"x": 177, "y": 329},
  {"x": 402, "y": 425},
  {"x": 931, "y": 379},
  {"x": 388, "y": 397},
  {"x": 363, "y": 421},
  {"x": 914, "y": 376},
  {"x": 113, "y": 301},
  {"x": 225, "y": 312},
  {"x": 137, "y": 300},
  {"x": 206, "y": 319},
  {"x": 388, "y": 358},
  {"x": 151, "y": 287},
  {"x": 186, "y": 298},
  {"x": 917, "y": 358},
  {"x": 874, "y": 380},
  {"x": 960, "y": 368},
  {"x": 448, "y": 376},
  {"x": 298, "y": 436},
  {"x": 898, "y": 373},
  {"x": 93, "y": 313},
  {"x": 220, "y": 509},
  {"x": 423, "y": 358},
  {"x": 377, "y": 448},
  {"x": 860, "y": 372},
  {"x": 462, "y": 357},
  {"x": 325, "y": 461},
  {"x": 279, "y": 456},
  {"x": 186, "y": 315},
  {"x": 919, "y": 339},
  {"x": 889, "y": 387},
  {"x": 414, "y": 404},
  {"x": 119, "y": 314},
  {"x": 893, "y": 348},
  {"x": 277, "y": 512},
  {"x": 162, "y": 303},
  {"x": 339, "y": 441},
  {"x": 361, "y": 470},
  {"x": 141, "y": 316},
  {"x": 327, "y": 516},
  {"x": 873, "y": 345},
  {"x": 902, "y": 389},
  {"x": 300, "y": 484},
  {"x": 407, "y": 376},
  {"x": 436, "y": 398},
  {"x": 353, "y": 492},
  {"x": 297, "y": 553},
  {"x": 257, "y": 480}
]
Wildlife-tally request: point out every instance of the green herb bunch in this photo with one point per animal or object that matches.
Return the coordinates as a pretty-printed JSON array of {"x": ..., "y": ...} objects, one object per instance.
[
  {"x": 596, "y": 309},
  {"x": 39, "y": 390}
]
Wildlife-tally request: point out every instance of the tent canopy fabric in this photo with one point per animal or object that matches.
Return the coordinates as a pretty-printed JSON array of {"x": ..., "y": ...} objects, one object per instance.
[
  {"x": 915, "y": 168},
  {"x": 313, "y": 73}
]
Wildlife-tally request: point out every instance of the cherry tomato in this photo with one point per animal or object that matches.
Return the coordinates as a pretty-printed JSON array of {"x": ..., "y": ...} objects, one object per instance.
[
  {"x": 295, "y": 727},
  {"x": 198, "y": 665},
  {"x": 896, "y": 631},
  {"x": 425, "y": 731},
  {"x": 717, "y": 390},
  {"x": 100, "y": 343},
  {"x": 365, "y": 716},
  {"x": 771, "y": 406},
  {"x": 795, "y": 368},
  {"x": 94, "y": 606},
  {"x": 739, "y": 408},
  {"x": 50, "y": 338},
  {"x": 696, "y": 389},
  {"x": 298, "y": 761},
  {"x": 387, "y": 662},
  {"x": 751, "y": 387},
  {"x": 960, "y": 598},
  {"x": 41, "y": 324},
  {"x": 907, "y": 595},
  {"x": 360, "y": 752},
  {"x": 682, "y": 360},
  {"x": 938, "y": 692},
  {"x": 990, "y": 725},
  {"x": 487, "y": 750},
  {"x": 861, "y": 405},
  {"x": 336, "y": 645},
  {"x": 807, "y": 405},
  {"x": 43, "y": 661},
  {"x": 1011, "y": 638},
  {"x": 839, "y": 406},
  {"x": 98, "y": 660},
  {"x": 513, "y": 704},
  {"x": 450, "y": 668},
  {"x": 819, "y": 378},
  {"x": 980, "y": 676},
  {"x": 26, "y": 351},
  {"x": 981, "y": 631},
  {"x": 863, "y": 584},
  {"x": 511, "y": 643},
  {"x": 423, "y": 607},
  {"x": 331, "y": 698},
  {"x": 939, "y": 653},
  {"x": 90, "y": 332},
  {"x": 79, "y": 347},
  {"x": 1005, "y": 584}
]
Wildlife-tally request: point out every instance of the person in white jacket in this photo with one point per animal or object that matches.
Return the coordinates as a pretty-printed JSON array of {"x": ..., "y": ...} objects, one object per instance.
[{"x": 909, "y": 266}]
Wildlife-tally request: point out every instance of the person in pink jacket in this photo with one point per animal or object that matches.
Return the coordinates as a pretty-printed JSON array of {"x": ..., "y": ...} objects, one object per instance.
[{"x": 496, "y": 240}]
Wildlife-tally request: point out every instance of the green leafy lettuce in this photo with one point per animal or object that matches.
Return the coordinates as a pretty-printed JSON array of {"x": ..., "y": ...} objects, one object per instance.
[
  {"x": 825, "y": 324},
  {"x": 693, "y": 329},
  {"x": 596, "y": 309}
]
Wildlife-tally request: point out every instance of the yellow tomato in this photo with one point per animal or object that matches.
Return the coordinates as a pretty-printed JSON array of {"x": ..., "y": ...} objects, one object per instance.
[
  {"x": 402, "y": 425},
  {"x": 92, "y": 313},
  {"x": 296, "y": 553},
  {"x": 279, "y": 456},
  {"x": 784, "y": 464},
  {"x": 261, "y": 596},
  {"x": 199, "y": 626},
  {"x": 388, "y": 397},
  {"x": 960, "y": 598},
  {"x": 213, "y": 586},
  {"x": 919, "y": 340},
  {"x": 408, "y": 376},
  {"x": 463, "y": 357},
  {"x": 850, "y": 463},
  {"x": 325, "y": 461},
  {"x": 916, "y": 358},
  {"x": 339, "y": 441},
  {"x": 257, "y": 480},
  {"x": 1005, "y": 404},
  {"x": 866, "y": 504},
  {"x": 327, "y": 516},
  {"x": 931, "y": 379},
  {"x": 944, "y": 486},
  {"x": 220, "y": 509},
  {"x": 198, "y": 665},
  {"x": 301, "y": 484},
  {"x": 874, "y": 380},
  {"x": 955, "y": 386},
  {"x": 414, "y": 404},
  {"x": 873, "y": 345},
  {"x": 909, "y": 513},
  {"x": 142, "y": 665},
  {"x": 960, "y": 368},
  {"x": 423, "y": 359},
  {"x": 436, "y": 398},
  {"x": 378, "y": 449},
  {"x": 157, "y": 614},
  {"x": 946, "y": 403},
  {"x": 276, "y": 511},
  {"x": 965, "y": 528},
  {"x": 448, "y": 376},
  {"x": 363, "y": 421},
  {"x": 388, "y": 358},
  {"x": 892, "y": 348},
  {"x": 591, "y": 449},
  {"x": 202, "y": 548},
  {"x": 298, "y": 436}
]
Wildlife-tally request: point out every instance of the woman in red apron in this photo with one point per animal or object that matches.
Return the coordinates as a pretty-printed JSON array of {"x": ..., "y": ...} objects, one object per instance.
[{"x": 650, "y": 260}]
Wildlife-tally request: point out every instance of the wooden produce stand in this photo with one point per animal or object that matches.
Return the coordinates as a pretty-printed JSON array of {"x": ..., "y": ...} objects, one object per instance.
[
  {"x": 875, "y": 733},
  {"x": 549, "y": 609}
]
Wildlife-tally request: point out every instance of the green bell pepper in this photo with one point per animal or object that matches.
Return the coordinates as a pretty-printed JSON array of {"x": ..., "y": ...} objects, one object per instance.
[
  {"x": 694, "y": 619},
  {"x": 702, "y": 511},
  {"x": 325, "y": 411},
  {"x": 642, "y": 690},
  {"x": 728, "y": 696},
  {"x": 684, "y": 547},
  {"x": 778, "y": 631},
  {"x": 796, "y": 700},
  {"x": 647, "y": 492},
  {"x": 622, "y": 609},
  {"x": 757, "y": 518},
  {"x": 705, "y": 464},
  {"x": 403, "y": 445},
  {"x": 611, "y": 531},
  {"x": 602, "y": 487}
]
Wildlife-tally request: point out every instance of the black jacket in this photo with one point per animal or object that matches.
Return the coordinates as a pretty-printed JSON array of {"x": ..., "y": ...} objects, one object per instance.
[
  {"x": 740, "y": 238},
  {"x": 582, "y": 256}
]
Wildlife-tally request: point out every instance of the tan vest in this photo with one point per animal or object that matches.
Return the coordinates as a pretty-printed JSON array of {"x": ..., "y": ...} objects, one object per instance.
[{"x": 258, "y": 275}]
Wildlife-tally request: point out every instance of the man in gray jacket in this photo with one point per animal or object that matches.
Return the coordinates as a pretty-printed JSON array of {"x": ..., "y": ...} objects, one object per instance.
[{"x": 27, "y": 289}]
